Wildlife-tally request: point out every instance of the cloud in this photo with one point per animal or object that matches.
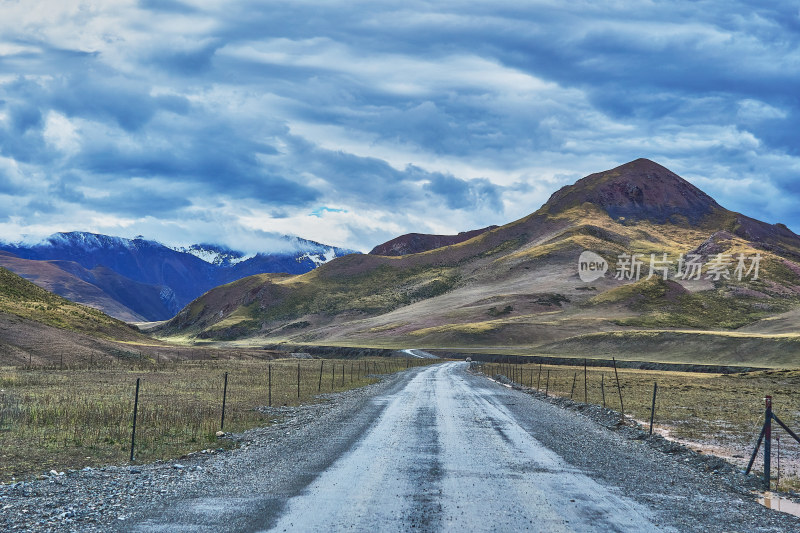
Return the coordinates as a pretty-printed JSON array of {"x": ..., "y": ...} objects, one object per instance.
[{"x": 355, "y": 122}]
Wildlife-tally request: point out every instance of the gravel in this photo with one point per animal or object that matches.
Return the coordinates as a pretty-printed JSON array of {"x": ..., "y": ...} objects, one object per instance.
[
  {"x": 106, "y": 498},
  {"x": 686, "y": 489}
]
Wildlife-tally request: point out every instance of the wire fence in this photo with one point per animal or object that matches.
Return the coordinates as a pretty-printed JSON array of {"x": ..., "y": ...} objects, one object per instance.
[
  {"x": 712, "y": 413},
  {"x": 78, "y": 416}
]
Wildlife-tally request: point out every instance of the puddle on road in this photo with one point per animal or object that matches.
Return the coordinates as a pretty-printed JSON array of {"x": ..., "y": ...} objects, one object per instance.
[{"x": 784, "y": 505}]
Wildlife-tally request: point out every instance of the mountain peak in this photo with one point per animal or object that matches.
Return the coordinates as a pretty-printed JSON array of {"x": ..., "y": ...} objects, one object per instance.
[
  {"x": 639, "y": 190},
  {"x": 413, "y": 243}
]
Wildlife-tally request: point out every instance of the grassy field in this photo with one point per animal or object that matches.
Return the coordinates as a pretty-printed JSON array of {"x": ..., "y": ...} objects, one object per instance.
[
  {"x": 76, "y": 417},
  {"x": 718, "y": 414}
]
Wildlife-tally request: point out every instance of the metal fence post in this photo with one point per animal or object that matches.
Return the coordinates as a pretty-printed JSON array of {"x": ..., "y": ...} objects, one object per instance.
[
  {"x": 653, "y": 406},
  {"x": 619, "y": 389},
  {"x": 574, "y": 379},
  {"x": 603, "y": 388},
  {"x": 224, "y": 397},
  {"x": 767, "y": 439},
  {"x": 585, "y": 383},
  {"x": 547, "y": 383},
  {"x": 135, "y": 410}
]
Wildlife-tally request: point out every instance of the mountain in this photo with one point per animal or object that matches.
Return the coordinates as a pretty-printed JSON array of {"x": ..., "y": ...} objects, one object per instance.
[
  {"x": 98, "y": 288},
  {"x": 39, "y": 326},
  {"x": 518, "y": 287},
  {"x": 143, "y": 280},
  {"x": 640, "y": 190},
  {"x": 414, "y": 243}
]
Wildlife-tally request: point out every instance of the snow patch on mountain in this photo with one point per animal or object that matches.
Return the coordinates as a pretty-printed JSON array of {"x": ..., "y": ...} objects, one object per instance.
[
  {"x": 319, "y": 258},
  {"x": 215, "y": 255}
]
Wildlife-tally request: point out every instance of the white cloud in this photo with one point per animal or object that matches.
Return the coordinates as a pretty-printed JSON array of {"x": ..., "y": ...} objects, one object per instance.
[
  {"x": 750, "y": 109},
  {"x": 61, "y": 133}
]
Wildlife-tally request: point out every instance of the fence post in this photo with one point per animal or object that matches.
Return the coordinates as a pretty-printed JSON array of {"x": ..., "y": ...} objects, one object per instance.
[
  {"x": 619, "y": 390},
  {"x": 574, "y": 379},
  {"x": 653, "y": 406},
  {"x": 321, "y": 366},
  {"x": 547, "y": 383},
  {"x": 224, "y": 397},
  {"x": 767, "y": 439},
  {"x": 585, "y": 383},
  {"x": 539, "y": 377},
  {"x": 298, "y": 380},
  {"x": 135, "y": 409},
  {"x": 603, "y": 388},
  {"x": 778, "y": 451},
  {"x": 269, "y": 385}
]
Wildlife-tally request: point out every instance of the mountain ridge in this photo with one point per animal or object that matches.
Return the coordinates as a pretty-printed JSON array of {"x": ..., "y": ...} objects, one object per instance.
[
  {"x": 413, "y": 243},
  {"x": 144, "y": 279},
  {"x": 518, "y": 284}
]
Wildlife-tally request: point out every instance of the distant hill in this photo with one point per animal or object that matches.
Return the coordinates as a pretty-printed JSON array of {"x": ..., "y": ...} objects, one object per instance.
[
  {"x": 414, "y": 243},
  {"x": 26, "y": 300},
  {"x": 518, "y": 286},
  {"x": 143, "y": 280}
]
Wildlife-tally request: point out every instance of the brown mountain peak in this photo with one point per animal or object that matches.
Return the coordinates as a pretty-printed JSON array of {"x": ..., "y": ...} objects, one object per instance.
[
  {"x": 639, "y": 190},
  {"x": 414, "y": 243}
]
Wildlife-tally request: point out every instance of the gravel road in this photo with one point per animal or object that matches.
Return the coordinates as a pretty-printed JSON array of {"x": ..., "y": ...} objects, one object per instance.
[{"x": 430, "y": 449}]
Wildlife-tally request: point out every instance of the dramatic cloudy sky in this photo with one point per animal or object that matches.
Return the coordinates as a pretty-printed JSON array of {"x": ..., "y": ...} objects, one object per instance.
[{"x": 353, "y": 122}]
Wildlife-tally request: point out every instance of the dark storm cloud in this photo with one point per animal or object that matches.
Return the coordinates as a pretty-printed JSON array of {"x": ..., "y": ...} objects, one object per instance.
[
  {"x": 460, "y": 194},
  {"x": 289, "y": 106},
  {"x": 138, "y": 202}
]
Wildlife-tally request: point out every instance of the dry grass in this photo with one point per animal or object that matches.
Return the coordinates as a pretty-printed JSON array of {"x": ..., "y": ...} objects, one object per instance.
[
  {"x": 719, "y": 414},
  {"x": 58, "y": 419}
]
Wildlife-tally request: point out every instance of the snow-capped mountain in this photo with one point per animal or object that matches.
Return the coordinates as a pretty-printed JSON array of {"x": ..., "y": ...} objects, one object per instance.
[
  {"x": 215, "y": 254},
  {"x": 151, "y": 281}
]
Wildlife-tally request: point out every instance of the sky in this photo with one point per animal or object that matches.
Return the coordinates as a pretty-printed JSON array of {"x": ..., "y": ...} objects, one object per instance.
[{"x": 350, "y": 123}]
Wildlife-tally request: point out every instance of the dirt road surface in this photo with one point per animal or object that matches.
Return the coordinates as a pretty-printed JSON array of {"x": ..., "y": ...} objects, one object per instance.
[{"x": 441, "y": 449}]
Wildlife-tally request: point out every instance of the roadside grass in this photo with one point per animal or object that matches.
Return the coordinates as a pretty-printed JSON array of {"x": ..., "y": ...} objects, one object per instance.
[
  {"x": 714, "y": 413},
  {"x": 78, "y": 417}
]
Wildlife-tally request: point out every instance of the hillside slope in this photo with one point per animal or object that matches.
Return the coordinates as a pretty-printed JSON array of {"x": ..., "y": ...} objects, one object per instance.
[
  {"x": 518, "y": 285},
  {"x": 100, "y": 288},
  {"x": 27, "y": 301}
]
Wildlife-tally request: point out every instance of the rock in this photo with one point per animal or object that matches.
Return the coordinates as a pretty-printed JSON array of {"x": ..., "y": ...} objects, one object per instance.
[
  {"x": 178, "y": 466},
  {"x": 220, "y": 434}
]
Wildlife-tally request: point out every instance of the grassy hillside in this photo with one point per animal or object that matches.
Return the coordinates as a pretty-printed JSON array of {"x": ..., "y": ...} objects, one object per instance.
[{"x": 23, "y": 299}]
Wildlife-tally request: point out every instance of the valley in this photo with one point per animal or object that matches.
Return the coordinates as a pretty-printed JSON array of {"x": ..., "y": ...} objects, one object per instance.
[{"x": 306, "y": 340}]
